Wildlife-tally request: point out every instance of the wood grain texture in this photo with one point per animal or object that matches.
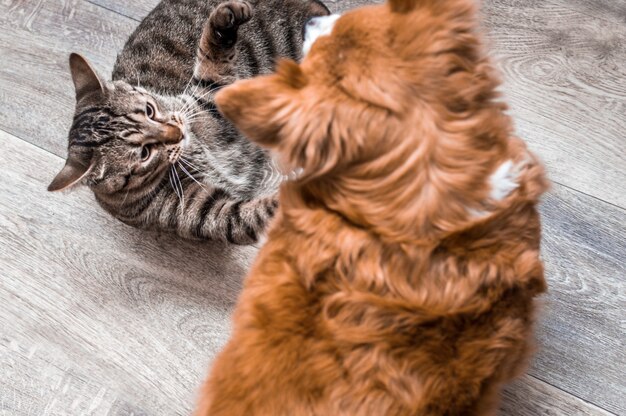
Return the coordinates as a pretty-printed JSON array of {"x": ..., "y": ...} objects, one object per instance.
[
  {"x": 581, "y": 329},
  {"x": 531, "y": 397},
  {"x": 610, "y": 10},
  {"x": 132, "y": 316},
  {"x": 36, "y": 38},
  {"x": 564, "y": 74}
]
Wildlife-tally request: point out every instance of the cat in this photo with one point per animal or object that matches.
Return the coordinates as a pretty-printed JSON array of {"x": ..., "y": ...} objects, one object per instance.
[{"x": 151, "y": 144}]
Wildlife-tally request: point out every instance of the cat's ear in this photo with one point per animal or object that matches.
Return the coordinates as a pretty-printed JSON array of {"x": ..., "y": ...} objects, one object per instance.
[
  {"x": 317, "y": 8},
  {"x": 260, "y": 107},
  {"x": 86, "y": 79},
  {"x": 74, "y": 170}
]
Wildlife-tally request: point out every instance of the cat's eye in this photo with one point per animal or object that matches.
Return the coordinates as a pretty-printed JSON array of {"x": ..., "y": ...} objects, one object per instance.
[
  {"x": 150, "y": 111},
  {"x": 146, "y": 151}
]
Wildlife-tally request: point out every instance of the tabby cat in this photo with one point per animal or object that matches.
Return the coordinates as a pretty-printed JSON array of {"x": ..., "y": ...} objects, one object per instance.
[{"x": 151, "y": 144}]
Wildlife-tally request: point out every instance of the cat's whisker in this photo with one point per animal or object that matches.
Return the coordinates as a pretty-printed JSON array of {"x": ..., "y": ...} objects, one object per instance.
[
  {"x": 212, "y": 90},
  {"x": 195, "y": 89},
  {"x": 191, "y": 99},
  {"x": 205, "y": 114},
  {"x": 192, "y": 166},
  {"x": 190, "y": 116},
  {"x": 174, "y": 187},
  {"x": 195, "y": 119},
  {"x": 219, "y": 87},
  {"x": 191, "y": 108},
  {"x": 191, "y": 176},
  {"x": 188, "y": 84},
  {"x": 202, "y": 110},
  {"x": 197, "y": 115},
  {"x": 180, "y": 187},
  {"x": 205, "y": 93}
]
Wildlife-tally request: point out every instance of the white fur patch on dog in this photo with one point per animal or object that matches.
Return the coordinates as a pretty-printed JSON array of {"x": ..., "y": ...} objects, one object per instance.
[
  {"x": 316, "y": 27},
  {"x": 504, "y": 180}
]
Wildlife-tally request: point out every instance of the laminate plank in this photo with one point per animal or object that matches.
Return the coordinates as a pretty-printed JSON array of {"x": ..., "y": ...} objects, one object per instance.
[
  {"x": 36, "y": 38},
  {"x": 34, "y": 383},
  {"x": 531, "y": 397},
  {"x": 581, "y": 333},
  {"x": 108, "y": 308},
  {"x": 136, "y": 10},
  {"x": 564, "y": 74}
]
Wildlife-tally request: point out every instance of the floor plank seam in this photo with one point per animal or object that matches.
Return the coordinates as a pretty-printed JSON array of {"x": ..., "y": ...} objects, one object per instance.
[
  {"x": 29, "y": 143},
  {"x": 588, "y": 195},
  {"x": 573, "y": 395},
  {"x": 113, "y": 11}
]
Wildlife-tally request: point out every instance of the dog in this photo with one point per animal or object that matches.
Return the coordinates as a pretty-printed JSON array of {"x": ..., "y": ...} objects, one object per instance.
[{"x": 400, "y": 274}]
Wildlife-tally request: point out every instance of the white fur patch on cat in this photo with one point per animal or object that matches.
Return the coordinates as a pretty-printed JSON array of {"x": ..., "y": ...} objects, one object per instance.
[
  {"x": 504, "y": 180},
  {"x": 316, "y": 27}
]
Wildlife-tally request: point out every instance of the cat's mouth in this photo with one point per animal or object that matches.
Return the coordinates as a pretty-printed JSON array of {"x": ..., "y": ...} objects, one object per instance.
[{"x": 175, "y": 152}]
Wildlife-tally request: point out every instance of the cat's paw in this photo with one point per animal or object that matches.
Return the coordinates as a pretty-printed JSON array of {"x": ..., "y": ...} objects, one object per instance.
[{"x": 227, "y": 17}]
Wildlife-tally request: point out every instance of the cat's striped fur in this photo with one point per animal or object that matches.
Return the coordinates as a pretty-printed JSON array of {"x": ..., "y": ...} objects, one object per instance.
[{"x": 200, "y": 178}]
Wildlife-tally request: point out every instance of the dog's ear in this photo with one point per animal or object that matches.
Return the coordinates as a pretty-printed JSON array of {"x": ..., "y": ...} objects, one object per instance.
[
  {"x": 260, "y": 107},
  {"x": 403, "y": 6},
  {"x": 455, "y": 7},
  {"x": 278, "y": 111}
]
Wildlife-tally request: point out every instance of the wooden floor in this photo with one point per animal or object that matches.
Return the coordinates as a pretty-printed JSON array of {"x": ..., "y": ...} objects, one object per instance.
[{"x": 99, "y": 319}]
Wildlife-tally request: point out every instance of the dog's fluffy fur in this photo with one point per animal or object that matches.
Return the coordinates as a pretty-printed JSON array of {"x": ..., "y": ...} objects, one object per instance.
[{"x": 395, "y": 280}]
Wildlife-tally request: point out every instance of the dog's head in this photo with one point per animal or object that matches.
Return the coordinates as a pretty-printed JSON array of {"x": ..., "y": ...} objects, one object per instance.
[{"x": 392, "y": 118}]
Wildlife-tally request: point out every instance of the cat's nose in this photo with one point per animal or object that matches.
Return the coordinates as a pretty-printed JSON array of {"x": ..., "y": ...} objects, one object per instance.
[{"x": 171, "y": 134}]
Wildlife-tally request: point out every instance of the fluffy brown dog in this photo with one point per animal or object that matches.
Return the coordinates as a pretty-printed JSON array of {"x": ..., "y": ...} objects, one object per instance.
[{"x": 399, "y": 276}]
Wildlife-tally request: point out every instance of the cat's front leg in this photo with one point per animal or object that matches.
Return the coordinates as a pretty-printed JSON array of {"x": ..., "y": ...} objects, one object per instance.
[{"x": 217, "y": 48}]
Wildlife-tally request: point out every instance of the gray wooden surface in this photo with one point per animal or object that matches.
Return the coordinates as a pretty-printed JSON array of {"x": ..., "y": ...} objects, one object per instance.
[{"x": 97, "y": 318}]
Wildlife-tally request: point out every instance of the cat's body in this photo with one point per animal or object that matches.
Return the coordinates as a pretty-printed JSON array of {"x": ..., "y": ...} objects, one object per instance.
[
  {"x": 151, "y": 144},
  {"x": 161, "y": 52}
]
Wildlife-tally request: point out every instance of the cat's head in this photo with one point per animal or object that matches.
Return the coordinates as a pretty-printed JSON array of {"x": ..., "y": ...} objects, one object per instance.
[{"x": 121, "y": 136}]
